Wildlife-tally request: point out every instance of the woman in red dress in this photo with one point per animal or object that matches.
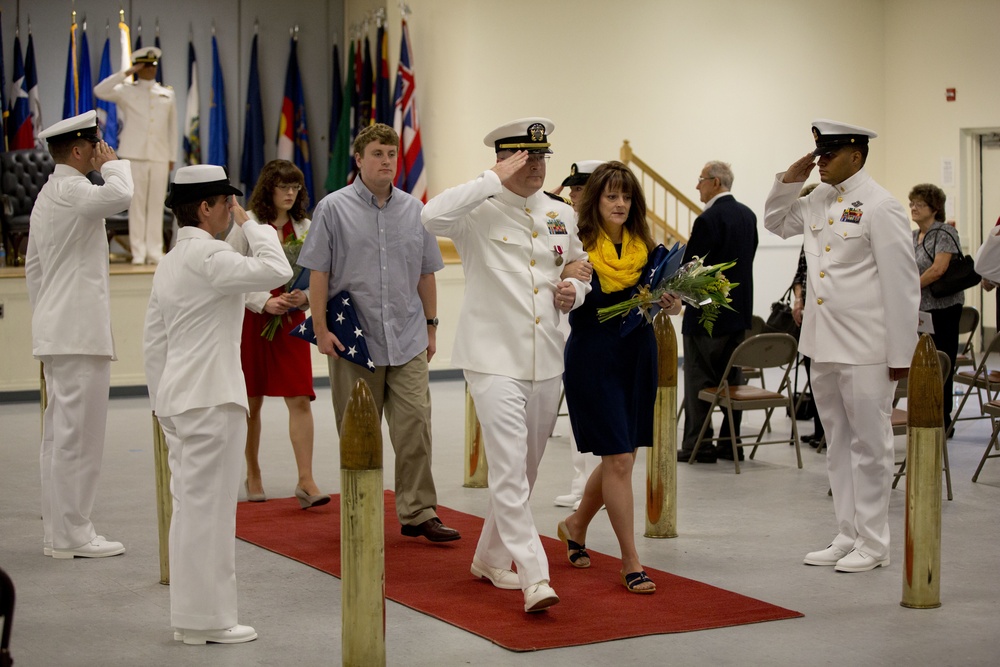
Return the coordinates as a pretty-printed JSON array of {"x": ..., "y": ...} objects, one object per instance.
[{"x": 281, "y": 366}]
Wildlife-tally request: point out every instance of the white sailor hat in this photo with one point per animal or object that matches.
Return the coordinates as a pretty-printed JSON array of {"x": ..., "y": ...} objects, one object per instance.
[
  {"x": 523, "y": 134},
  {"x": 831, "y": 134},
  {"x": 580, "y": 172},
  {"x": 198, "y": 182},
  {"x": 148, "y": 54},
  {"x": 83, "y": 126}
]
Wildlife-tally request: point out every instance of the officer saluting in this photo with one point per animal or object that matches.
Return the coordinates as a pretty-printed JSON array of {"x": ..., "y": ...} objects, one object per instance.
[
  {"x": 149, "y": 140},
  {"x": 512, "y": 238},
  {"x": 861, "y": 332}
]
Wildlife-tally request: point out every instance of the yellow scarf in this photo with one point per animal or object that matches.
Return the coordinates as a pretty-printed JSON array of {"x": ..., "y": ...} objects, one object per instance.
[{"x": 617, "y": 273}]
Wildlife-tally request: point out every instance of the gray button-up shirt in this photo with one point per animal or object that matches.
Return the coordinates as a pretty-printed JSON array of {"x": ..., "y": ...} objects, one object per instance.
[{"x": 378, "y": 255}]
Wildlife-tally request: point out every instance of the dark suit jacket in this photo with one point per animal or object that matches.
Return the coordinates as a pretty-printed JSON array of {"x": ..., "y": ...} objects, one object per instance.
[{"x": 726, "y": 231}]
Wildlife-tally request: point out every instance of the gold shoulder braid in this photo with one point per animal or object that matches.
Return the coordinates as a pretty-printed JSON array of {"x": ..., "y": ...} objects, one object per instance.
[{"x": 617, "y": 273}]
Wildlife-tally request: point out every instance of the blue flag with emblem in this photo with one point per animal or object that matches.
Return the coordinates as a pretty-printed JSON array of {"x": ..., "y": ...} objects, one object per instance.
[
  {"x": 661, "y": 265},
  {"x": 86, "y": 98},
  {"x": 218, "y": 125},
  {"x": 342, "y": 321},
  {"x": 107, "y": 112},
  {"x": 253, "y": 128}
]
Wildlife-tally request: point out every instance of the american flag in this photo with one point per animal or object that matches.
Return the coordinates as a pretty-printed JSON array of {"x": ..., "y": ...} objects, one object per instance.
[
  {"x": 410, "y": 175},
  {"x": 342, "y": 321}
]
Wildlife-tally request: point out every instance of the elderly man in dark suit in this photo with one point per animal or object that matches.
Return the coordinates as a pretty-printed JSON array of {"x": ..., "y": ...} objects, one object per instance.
[{"x": 725, "y": 231}]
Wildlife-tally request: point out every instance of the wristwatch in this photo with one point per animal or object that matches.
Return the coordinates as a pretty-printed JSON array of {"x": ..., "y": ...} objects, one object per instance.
[{"x": 433, "y": 322}]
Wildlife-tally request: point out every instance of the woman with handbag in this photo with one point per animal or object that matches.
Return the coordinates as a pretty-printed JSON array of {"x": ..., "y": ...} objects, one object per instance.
[{"x": 934, "y": 245}]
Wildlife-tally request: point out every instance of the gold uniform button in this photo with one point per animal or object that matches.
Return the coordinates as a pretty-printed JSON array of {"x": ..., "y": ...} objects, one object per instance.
[
  {"x": 830, "y": 221},
  {"x": 828, "y": 248},
  {"x": 536, "y": 290},
  {"x": 505, "y": 238},
  {"x": 819, "y": 301},
  {"x": 538, "y": 320},
  {"x": 532, "y": 262},
  {"x": 528, "y": 211},
  {"x": 845, "y": 235},
  {"x": 534, "y": 235},
  {"x": 822, "y": 274},
  {"x": 840, "y": 199}
]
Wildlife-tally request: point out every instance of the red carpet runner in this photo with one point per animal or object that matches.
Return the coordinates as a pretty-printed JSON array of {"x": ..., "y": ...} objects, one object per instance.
[{"x": 434, "y": 579}]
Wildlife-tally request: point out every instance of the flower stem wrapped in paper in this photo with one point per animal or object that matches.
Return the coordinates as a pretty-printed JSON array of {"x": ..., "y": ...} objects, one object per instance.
[
  {"x": 704, "y": 287},
  {"x": 300, "y": 281}
]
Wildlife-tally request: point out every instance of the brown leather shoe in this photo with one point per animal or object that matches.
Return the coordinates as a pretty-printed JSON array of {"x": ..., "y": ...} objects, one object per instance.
[{"x": 432, "y": 529}]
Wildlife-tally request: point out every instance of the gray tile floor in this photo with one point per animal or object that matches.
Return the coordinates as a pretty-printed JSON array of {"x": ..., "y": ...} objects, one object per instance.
[{"x": 746, "y": 533}]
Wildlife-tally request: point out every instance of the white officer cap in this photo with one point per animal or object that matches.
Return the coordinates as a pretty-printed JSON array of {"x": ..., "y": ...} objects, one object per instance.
[
  {"x": 83, "y": 126},
  {"x": 523, "y": 134},
  {"x": 580, "y": 172},
  {"x": 832, "y": 134},
  {"x": 198, "y": 182},
  {"x": 148, "y": 54}
]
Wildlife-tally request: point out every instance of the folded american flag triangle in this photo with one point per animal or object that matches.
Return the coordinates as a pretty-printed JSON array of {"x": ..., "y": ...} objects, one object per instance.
[{"x": 342, "y": 321}]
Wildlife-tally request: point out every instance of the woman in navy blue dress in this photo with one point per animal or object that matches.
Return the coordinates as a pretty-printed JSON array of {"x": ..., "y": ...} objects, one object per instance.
[{"x": 610, "y": 379}]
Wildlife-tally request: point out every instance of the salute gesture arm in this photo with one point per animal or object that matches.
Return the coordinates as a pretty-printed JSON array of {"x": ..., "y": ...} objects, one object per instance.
[
  {"x": 800, "y": 169},
  {"x": 509, "y": 166}
]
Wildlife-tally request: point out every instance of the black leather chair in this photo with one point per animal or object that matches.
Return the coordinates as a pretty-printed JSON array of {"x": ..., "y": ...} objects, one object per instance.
[
  {"x": 22, "y": 175},
  {"x": 7, "y": 611}
]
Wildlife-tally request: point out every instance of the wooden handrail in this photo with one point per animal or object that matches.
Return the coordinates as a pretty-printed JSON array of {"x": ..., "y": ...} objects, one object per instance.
[{"x": 661, "y": 196}]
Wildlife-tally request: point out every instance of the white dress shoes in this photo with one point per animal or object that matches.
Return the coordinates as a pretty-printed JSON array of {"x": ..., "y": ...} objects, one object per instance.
[
  {"x": 569, "y": 500},
  {"x": 540, "y": 596},
  {"x": 859, "y": 561},
  {"x": 829, "y": 556},
  {"x": 99, "y": 547},
  {"x": 497, "y": 576},
  {"x": 234, "y": 635}
]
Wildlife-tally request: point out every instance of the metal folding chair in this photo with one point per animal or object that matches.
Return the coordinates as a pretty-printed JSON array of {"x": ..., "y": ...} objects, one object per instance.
[{"x": 980, "y": 380}]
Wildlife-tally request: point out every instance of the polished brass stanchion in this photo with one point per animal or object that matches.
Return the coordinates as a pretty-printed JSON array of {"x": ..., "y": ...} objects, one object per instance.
[
  {"x": 924, "y": 446},
  {"x": 661, "y": 464},
  {"x": 475, "y": 453},
  {"x": 164, "y": 501},
  {"x": 362, "y": 536}
]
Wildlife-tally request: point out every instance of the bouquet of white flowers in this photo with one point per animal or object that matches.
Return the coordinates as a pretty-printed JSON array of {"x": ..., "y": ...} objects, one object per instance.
[{"x": 704, "y": 287}]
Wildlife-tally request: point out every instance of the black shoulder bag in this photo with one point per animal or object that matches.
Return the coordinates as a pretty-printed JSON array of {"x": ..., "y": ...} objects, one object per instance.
[
  {"x": 960, "y": 275},
  {"x": 781, "y": 320}
]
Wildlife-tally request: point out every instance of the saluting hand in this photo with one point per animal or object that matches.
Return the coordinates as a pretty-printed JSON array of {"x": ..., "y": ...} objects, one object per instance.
[
  {"x": 102, "y": 154},
  {"x": 800, "y": 169},
  {"x": 510, "y": 166},
  {"x": 239, "y": 213}
]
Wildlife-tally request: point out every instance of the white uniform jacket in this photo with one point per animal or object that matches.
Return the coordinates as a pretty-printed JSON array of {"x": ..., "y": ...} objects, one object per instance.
[
  {"x": 988, "y": 256},
  {"x": 255, "y": 301},
  {"x": 863, "y": 288},
  {"x": 148, "y": 116},
  {"x": 509, "y": 246},
  {"x": 194, "y": 321},
  {"x": 66, "y": 267}
]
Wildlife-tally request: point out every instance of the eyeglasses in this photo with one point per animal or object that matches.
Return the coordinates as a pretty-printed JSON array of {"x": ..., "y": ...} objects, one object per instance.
[
  {"x": 294, "y": 187},
  {"x": 918, "y": 204},
  {"x": 706, "y": 178},
  {"x": 538, "y": 157}
]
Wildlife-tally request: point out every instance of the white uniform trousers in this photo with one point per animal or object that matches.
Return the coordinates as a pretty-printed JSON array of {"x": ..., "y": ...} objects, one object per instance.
[
  {"x": 855, "y": 405},
  {"x": 145, "y": 213},
  {"x": 206, "y": 450},
  {"x": 517, "y": 417},
  {"x": 73, "y": 429}
]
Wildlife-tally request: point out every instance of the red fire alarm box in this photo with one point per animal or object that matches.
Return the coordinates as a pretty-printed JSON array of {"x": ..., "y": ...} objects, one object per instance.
[{"x": 949, "y": 94}]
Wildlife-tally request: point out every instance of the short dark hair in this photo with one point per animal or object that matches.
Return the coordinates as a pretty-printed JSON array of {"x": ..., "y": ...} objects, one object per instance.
[
  {"x": 379, "y": 132},
  {"x": 61, "y": 150},
  {"x": 187, "y": 213},
  {"x": 616, "y": 176},
  {"x": 931, "y": 195},
  {"x": 275, "y": 173}
]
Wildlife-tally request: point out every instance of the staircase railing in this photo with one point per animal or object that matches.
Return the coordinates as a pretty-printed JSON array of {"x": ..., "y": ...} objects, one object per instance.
[{"x": 669, "y": 212}]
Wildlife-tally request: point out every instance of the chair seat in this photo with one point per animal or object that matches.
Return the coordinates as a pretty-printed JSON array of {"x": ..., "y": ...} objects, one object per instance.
[
  {"x": 969, "y": 377},
  {"x": 992, "y": 408},
  {"x": 898, "y": 421},
  {"x": 964, "y": 360},
  {"x": 743, "y": 393}
]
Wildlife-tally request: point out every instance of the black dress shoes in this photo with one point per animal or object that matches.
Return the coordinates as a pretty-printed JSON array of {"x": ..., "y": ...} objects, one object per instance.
[
  {"x": 432, "y": 529},
  {"x": 727, "y": 453},
  {"x": 705, "y": 455}
]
